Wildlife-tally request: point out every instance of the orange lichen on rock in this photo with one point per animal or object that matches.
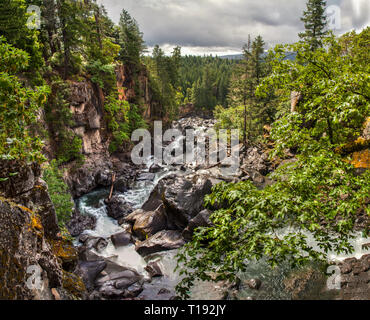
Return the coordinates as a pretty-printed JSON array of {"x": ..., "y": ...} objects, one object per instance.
[
  {"x": 361, "y": 159},
  {"x": 64, "y": 250},
  {"x": 25, "y": 209},
  {"x": 36, "y": 223}
]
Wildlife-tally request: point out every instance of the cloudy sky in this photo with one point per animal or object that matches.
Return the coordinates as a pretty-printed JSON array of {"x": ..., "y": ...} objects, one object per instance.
[{"x": 222, "y": 26}]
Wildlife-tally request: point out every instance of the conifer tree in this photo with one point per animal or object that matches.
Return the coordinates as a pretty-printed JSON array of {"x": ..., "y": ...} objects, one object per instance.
[
  {"x": 131, "y": 39},
  {"x": 315, "y": 22}
]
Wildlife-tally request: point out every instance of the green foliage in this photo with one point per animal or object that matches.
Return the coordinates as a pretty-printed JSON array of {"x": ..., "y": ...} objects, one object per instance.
[
  {"x": 335, "y": 87},
  {"x": 19, "y": 107},
  {"x": 13, "y": 26},
  {"x": 315, "y": 199},
  {"x": 102, "y": 74},
  {"x": 59, "y": 193},
  {"x": 123, "y": 119},
  {"x": 59, "y": 118}
]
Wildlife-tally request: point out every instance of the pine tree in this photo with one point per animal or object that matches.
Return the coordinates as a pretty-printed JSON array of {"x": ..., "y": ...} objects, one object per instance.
[
  {"x": 72, "y": 17},
  {"x": 247, "y": 76},
  {"x": 315, "y": 22},
  {"x": 131, "y": 39}
]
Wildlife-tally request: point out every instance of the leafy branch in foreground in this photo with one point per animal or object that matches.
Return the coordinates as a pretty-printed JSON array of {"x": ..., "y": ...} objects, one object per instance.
[{"x": 317, "y": 197}]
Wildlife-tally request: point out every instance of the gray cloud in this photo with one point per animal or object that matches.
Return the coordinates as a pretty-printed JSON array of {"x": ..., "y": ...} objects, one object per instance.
[{"x": 222, "y": 26}]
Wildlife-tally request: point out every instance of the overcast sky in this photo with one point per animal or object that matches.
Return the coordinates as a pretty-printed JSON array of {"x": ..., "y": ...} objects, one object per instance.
[{"x": 222, "y": 26}]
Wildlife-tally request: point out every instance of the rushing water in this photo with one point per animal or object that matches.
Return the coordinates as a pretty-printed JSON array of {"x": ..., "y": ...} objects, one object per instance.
[{"x": 273, "y": 280}]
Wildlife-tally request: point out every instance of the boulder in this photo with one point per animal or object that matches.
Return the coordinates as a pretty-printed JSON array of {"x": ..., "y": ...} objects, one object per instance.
[
  {"x": 201, "y": 220},
  {"x": 162, "y": 241},
  {"x": 86, "y": 251},
  {"x": 148, "y": 223},
  {"x": 118, "y": 207},
  {"x": 119, "y": 285},
  {"x": 154, "y": 269},
  {"x": 254, "y": 284},
  {"x": 89, "y": 271},
  {"x": 182, "y": 198},
  {"x": 121, "y": 239},
  {"x": 80, "y": 223},
  {"x": 121, "y": 185}
]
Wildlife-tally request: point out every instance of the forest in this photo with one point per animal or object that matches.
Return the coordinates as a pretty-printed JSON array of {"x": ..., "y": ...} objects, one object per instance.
[{"x": 308, "y": 113}]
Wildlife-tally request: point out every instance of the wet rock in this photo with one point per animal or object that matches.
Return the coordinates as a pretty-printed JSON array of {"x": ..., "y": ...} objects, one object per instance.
[
  {"x": 355, "y": 282},
  {"x": 254, "y": 284},
  {"x": 164, "y": 291},
  {"x": 126, "y": 274},
  {"x": 182, "y": 198},
  {"x": 154, "y": 269},
  {"x": 124, "y": 284},
  {"x": 148, "y": 223},
  {"x": 121, "y": 239},
  {"x": 101, "y": 244},
  {"x": 118, "y": 207},
  {"x": 83, "y": 238},
  {"x": 80, "y": 223},
  {"x": 147, "y": 176},
  {"x": 155, "y": 168},
  {"x": 121, "y": 185},
  {"x": 201, "y": 220},
  {"x": 108, "y": 291},
  {"x": 162, "y": 241},
  {"x": 133, "y": 291},
  {"x": 86, "y": 251},
  {"x": 103, "y": 178},
  {"x": 89, "y": 271}
]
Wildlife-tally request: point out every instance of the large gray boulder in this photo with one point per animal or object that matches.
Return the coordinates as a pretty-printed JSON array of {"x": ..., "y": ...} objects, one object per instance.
[
  {"x": 147, "y": 223},
  {"x": 182, "y": 198},
  {"x": 162, "y": 241},
  {"x": 118, "y": 207}
]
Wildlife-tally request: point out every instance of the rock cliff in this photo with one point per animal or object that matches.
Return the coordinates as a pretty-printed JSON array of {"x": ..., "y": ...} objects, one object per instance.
[{"x": 35, "y": 261}]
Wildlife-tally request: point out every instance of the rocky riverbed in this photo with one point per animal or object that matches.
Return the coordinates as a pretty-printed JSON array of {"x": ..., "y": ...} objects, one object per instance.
[{"x": 127, "y": 246}]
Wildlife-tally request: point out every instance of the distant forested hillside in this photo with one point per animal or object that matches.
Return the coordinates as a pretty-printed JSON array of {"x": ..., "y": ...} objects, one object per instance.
[{"x": 205, "y": 80}]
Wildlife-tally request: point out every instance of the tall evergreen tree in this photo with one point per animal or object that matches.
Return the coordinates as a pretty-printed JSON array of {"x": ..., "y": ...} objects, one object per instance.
[
  {"x": 247, "y": 76},
  {"x": 315, "y": 22},
  {"x": 131, "y": 39}
]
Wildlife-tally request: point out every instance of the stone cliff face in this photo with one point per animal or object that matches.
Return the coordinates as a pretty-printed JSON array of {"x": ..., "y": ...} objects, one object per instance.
[
  {"x": 35, "y": 261},
  {"x": 87, "y": 107}
]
